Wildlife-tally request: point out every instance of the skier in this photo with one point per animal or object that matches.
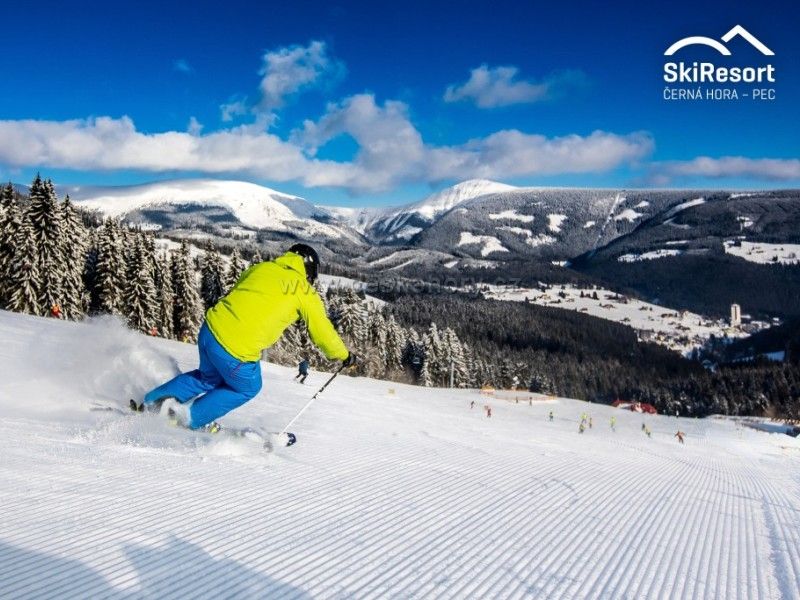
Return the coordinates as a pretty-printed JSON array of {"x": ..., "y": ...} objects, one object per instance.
[
  {"x": 590, "y": 422},
  {"x": 488, "y": 410},
  {"x": 643, "y": 426},
  {"x": 648, "y": 432},
  {"x": 267, "y": 298},
  {"x": 613, "y": 423},
  {"x": 302, "y": 370},
  {"x": 55, "y": 311},
  {"x": 472, "y": 404},
  {"x": 582, "y": 427},
  {"x": 680, "y": 435},
  {"x": 551, "y": 416}
]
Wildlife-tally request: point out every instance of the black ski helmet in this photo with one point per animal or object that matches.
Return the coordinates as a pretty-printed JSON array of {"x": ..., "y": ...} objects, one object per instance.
[{"x": 310, "y": 260}]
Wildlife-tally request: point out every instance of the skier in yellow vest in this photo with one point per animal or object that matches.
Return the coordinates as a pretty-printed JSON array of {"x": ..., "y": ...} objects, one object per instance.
[{"x": 267, "y": 298}]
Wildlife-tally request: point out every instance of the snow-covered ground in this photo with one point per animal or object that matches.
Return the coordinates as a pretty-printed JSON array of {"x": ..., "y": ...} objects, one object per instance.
[
  {"x": 681, "y": 331},
  {"x": 391, "y": 491},
  {"x": 489, "y": 243},
  {"x": 651, "y": 255},
  {"x": 763, "y": 253}
]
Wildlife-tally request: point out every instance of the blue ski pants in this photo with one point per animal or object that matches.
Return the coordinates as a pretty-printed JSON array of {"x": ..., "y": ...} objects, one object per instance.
[{"x": 222, "y": 382}]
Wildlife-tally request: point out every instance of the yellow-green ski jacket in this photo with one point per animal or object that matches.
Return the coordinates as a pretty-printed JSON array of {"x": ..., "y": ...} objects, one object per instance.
[{"x": 268, "y": 298}]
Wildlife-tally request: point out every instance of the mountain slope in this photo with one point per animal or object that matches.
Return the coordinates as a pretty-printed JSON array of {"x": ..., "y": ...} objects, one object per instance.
[
  {"x": 217, "y": 202},
  {"x": 401, "y": 224},
  {"x": 391, "y": 491}
]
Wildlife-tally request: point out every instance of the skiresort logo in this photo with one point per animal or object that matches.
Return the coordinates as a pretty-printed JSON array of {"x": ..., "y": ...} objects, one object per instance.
[
  {"x": 726, "y": 80},
  {"x": 705, "y": 41}
]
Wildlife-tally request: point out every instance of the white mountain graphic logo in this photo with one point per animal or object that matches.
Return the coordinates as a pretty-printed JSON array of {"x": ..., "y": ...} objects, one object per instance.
[{"x": 706, "y": 41}]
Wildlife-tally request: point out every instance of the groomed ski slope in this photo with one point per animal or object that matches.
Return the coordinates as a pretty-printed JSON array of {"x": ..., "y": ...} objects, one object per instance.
[{"x": 404, "y": 495}]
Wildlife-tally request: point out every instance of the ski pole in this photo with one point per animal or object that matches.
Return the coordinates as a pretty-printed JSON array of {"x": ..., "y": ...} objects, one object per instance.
[{"x": 310, "y": 402}]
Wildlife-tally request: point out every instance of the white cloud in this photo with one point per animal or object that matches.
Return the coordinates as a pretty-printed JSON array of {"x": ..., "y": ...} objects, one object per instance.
[
  {"x": 234, "y": 108},
  {"x": 181, "y": 65},
  {"x": 493, "y": 87},
  {"x": 772, "y": 169},
  {"x": 285, "y": 72},
  {"x": 391, "y": 150}
]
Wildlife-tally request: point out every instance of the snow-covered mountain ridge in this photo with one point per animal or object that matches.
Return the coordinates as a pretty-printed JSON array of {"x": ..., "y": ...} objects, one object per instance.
[{"x": 249, "y": 205}]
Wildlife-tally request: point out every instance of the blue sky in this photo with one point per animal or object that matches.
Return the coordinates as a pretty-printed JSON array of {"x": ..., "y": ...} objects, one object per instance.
[{"x": 375, "y": 103}]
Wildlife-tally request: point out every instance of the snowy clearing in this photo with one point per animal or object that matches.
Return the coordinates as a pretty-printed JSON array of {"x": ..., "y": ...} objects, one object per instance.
[
  {"x": 763, "y": 253},
  {"x": 651, "y": 255},
  {"x": 629, "y": 215},
  {"x": 517, "y": 230},
  {"x": 391, "y": 490},
  {"x": 555, "y": 222},
  {"x": 512, "y": 215},
  {"x": 490, "y": 243},
  {"x": 540, "y": 240}
]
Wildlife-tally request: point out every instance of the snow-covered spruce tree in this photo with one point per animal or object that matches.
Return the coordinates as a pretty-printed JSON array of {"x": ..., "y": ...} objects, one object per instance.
[
  {"x": 235, "y": 269},
  {"x": 425, "y": 377},
  {"x": 10, "y": 223},
  {"x": 73, "y": 248},
  {"x": 455, "y": 357},
  {"x": 436, "y": 359},
  {"x": 212, "y": 286},
  {"x": 23, "y": 281},
  {"x": 188, "y": 313},
  {"x": 141, "y": 308},
  {"x": 395, "y": 343},
  {"x": 45, "y": 218},
  {"x": 350, "y": 318},
  {"x": 109, "y": 277},
  {"x": 165, "y": 296},
  {"x": 375, "y": 349},
  {"x": 256, "y": 258}
]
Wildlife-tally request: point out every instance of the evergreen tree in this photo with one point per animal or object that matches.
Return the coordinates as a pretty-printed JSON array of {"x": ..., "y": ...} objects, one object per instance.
[
  {"x": 45, "y": 218},
  {"x": 23, "y": 272},
  {"x": 350, "y": 317},
  {"x": 73, "y": 243},
  {"x": 235, "y": 269},
  {"x": 141, "y": 308},
  {"x": 188, "y": 315},
  {"x": 456, "y": 359},
  {"x": 375, "y": 350},
  {"x": 165, "y": 296},
  {"x": 212, "y": 285},
  {"x": 256, "y": 258},
  {"x": 109, "y": 277},
  {"x": 395, "y": 342},
  {"x": 10, "y": 223}
]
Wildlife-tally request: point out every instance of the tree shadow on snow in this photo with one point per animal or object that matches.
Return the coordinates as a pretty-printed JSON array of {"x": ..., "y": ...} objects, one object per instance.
[
  {"x": 30, "y": 574},
  {"x": 176, "y": 570},
  {"x": 183, "y": 569}
]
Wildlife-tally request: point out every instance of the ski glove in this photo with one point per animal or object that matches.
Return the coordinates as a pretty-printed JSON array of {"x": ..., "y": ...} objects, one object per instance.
[{"x": 350, "y": 361}]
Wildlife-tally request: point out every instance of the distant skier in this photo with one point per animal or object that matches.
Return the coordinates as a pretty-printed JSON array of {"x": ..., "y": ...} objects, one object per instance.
[
  {"x": 472, "y": 404},
  {"x": 582, "y": 427},
  {"x": 680, "y": 435},
  {"x": 550, "y": 416},
  {"x": 488, "y": 410},
  {"x": 302, "y": 371},
  {"x": 644, "y": 426},
  {"x": 590, "y": 423},
  {"x": 648, "y": 432},
  {"x": 267, "y": 298},
  {"x": 55, "y": 311},
  {"x": 613, "y": 423}
]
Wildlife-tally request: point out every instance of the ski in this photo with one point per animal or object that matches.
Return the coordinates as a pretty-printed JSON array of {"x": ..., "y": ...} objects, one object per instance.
[{"x": 267, "y": 438}]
